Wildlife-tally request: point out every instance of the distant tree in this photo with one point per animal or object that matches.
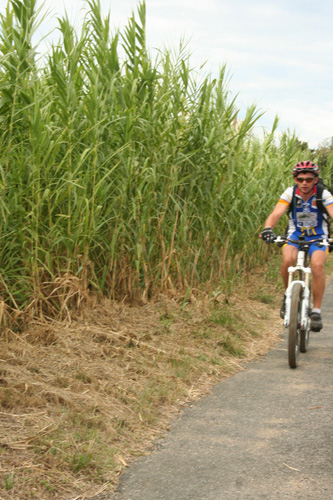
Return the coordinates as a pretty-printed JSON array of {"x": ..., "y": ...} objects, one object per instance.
[
  {"x": 302, "y": 145},
  {"x": 323, "y": 156}
]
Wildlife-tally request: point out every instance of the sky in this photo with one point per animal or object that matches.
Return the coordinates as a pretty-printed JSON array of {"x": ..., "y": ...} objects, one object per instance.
[{"x": 279, "y": 53}]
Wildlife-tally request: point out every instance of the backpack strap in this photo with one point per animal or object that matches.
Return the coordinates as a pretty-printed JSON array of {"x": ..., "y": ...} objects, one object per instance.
[{"x": 319, "y": 200}]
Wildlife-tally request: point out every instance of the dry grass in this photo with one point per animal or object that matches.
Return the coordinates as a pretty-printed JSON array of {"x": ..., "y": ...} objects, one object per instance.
[{"x": 79, "y": 400}]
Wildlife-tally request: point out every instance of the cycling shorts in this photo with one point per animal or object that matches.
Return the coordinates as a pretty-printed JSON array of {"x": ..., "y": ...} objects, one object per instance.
[{"x": 313, "y": 247}]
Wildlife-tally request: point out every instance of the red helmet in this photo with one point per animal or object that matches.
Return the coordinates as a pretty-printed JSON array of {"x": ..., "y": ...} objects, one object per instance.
[{"x": 304, "y": 167}]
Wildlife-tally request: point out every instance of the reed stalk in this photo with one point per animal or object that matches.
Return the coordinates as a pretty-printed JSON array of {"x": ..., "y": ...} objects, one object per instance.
[{"x": 133, "y": 175}]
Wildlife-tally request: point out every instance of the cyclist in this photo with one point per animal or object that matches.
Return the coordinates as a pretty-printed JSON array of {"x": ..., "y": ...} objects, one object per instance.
[{"x": 304, "y": 219}]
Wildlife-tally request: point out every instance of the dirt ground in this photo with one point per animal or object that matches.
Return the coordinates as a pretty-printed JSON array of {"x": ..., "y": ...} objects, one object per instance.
[{"x": 82, "y": 398}]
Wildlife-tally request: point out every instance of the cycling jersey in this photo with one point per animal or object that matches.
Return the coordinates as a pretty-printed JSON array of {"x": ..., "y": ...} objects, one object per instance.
[{"x": 305, "y": 217}]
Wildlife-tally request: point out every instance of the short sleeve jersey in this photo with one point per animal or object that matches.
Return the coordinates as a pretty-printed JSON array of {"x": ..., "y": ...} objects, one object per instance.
[{"x": 306, "y": 217}]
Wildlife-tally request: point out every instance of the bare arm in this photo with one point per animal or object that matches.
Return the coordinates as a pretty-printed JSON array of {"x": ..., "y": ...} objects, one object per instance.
[
  {"x": 279, "y": 210},
  {"x": 330, "y": 210}
]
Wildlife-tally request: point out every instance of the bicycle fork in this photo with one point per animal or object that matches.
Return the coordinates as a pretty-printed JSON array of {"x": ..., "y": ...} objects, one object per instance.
[{"x": 305, "y": 284}]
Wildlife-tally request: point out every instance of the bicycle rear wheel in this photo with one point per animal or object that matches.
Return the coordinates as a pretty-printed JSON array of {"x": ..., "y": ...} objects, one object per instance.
[
  {"x": 294, "y": 327},
  {"x": 304, "y": 342}
]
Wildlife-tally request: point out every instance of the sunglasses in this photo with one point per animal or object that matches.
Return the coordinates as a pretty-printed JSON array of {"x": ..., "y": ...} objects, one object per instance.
[{"x": 305, "y": 179}]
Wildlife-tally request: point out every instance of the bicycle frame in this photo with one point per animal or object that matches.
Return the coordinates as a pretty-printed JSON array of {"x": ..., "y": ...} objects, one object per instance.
[{"x": 305, "y": 273}]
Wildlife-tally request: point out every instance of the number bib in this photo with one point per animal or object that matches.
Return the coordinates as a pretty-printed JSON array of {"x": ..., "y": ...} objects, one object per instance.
[{"x": 307, "y": 220}]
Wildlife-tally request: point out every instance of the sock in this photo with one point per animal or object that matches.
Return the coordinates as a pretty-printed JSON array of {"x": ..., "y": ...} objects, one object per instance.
[{"x": 316, "y": 310}]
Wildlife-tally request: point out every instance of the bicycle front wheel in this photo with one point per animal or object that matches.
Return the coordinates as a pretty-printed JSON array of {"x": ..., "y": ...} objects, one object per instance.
[
  {"x": 294, "y": 327},
  {"x": 305, "y": 332}
]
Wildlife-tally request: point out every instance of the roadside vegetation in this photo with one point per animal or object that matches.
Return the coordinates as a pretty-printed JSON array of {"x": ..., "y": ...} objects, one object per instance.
[
  {"x": 125, "y": 177},
  {"x": 132, "y": 194},
  {"x": 80, "y": 400}
]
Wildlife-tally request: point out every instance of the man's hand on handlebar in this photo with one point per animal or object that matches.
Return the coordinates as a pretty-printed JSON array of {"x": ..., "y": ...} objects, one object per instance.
[{"x": 268, "y": 235}]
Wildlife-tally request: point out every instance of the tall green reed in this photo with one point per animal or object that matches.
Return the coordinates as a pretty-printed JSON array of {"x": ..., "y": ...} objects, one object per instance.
[{"x": 132, "y": 175}]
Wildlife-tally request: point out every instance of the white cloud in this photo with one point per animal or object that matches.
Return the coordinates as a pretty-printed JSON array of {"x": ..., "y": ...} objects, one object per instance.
[
  {"x": 208, "y": 6},
  {"x": 278, "y": 52},
  {"x": 313, "y": 124},
  {"x": 266, "y": 11}
]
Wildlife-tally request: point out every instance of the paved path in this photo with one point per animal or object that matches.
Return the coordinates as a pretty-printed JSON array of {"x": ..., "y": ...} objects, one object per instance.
[{"x": 265, "y": 433}]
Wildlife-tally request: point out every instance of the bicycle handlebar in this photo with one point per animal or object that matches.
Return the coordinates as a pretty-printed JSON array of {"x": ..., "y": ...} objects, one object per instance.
[{"x": 322, "y": 242}]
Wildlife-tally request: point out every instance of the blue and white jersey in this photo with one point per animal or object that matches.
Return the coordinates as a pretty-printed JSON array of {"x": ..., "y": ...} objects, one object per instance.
[{"x": 305, "y": 217}]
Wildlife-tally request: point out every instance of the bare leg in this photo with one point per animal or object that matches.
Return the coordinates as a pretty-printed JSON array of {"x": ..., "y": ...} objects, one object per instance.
[
  {"x": 318, "y": 260},
  {"x": 289, "y": 258}
]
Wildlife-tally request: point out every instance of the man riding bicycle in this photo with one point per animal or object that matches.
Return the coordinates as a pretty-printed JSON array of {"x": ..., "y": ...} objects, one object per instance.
[{"x": 305, "y": 219}]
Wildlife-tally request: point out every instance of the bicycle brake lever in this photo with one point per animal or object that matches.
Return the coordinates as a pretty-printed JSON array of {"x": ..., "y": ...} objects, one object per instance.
[{"x": 280, "y": 241}]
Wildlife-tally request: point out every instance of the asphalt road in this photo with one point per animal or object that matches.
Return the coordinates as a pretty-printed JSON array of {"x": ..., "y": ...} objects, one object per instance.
[{"x": 265, "y": 433}]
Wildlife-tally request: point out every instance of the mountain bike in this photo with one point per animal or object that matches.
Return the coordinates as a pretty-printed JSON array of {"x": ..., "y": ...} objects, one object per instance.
[{"x": 298, "y": 298}]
